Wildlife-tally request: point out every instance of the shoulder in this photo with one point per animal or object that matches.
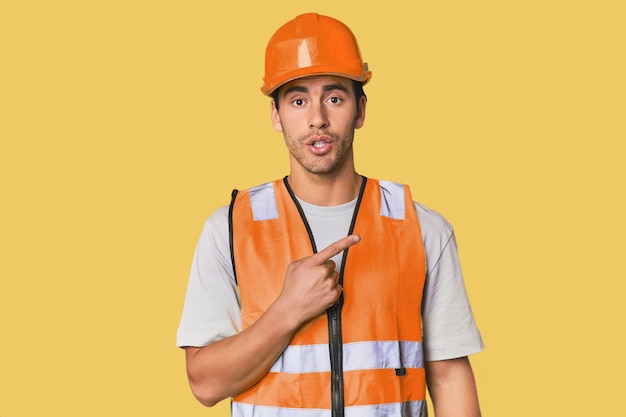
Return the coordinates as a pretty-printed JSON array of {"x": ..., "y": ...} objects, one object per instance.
[
  {"x": 434, "y": 227},
  {"x": 217, "y": 218},
  {"x": 432, "y": 223},
  {"x": 217, "y": 222},
  {"x": 214, "y": 239},
  {"x": 437, "y": 235}
]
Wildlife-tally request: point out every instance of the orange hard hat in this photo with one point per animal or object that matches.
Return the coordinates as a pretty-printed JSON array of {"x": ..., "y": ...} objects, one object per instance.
[{"x": 312, "y": 44}]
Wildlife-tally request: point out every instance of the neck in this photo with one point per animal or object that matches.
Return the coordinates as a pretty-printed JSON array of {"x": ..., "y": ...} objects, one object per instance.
[{"x": 326, "y": 190}]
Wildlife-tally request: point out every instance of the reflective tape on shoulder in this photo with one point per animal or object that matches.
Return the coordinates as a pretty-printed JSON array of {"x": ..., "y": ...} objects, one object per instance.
[
  {"x": 302, "y": 359},
  {"x": 263, "y": 202},
  {"x": 392, "y": 200},
  {"x": 407, "y": 409}
]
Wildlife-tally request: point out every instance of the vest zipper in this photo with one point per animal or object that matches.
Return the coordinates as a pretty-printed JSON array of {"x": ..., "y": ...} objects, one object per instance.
[
  {"x": 335, "y": 340},
  {"x": 336, "y": 359}
]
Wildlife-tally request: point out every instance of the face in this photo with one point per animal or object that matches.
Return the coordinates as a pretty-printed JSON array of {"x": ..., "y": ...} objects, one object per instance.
[{"x": 317, "y": 116}]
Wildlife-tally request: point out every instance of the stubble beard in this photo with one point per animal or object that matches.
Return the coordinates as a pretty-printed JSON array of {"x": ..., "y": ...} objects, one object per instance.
[{"x": 322, "y": 164}]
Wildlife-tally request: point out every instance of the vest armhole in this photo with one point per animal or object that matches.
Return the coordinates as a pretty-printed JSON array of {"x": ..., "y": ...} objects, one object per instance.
[{"x": 230, "y": 231}]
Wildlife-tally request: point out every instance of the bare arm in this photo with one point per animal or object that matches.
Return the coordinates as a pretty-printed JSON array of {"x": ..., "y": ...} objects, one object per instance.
[
  {"x": 229, "y": 366},
  {"x": 452, "y": 388}
]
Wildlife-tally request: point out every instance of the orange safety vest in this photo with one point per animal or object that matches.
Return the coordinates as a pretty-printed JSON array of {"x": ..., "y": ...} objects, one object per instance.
[{"x": 364, "y": 357}]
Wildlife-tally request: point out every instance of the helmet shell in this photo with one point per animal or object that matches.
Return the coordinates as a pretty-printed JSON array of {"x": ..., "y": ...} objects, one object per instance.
[{"x": 312, "y": 44}]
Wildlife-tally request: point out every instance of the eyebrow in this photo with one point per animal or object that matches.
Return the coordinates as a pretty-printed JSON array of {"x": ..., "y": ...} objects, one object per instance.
[
  {"x": 332, "y": 87},
  {"x": 326, "y": 88}
]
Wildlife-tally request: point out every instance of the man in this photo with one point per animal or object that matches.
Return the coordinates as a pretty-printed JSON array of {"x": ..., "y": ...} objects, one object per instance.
[{"x": 358, "y": 328}]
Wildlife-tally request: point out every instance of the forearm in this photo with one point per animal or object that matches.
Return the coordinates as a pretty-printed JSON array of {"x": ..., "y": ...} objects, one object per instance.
[
  {"x": 229, "y": 366},
  {"x": 452, "y": 388}
]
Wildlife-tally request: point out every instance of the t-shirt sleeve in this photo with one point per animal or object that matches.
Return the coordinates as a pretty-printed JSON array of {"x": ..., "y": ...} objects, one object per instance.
[
  {"x": 212, "y": 309},
  {"x": 448, "y": 323}
]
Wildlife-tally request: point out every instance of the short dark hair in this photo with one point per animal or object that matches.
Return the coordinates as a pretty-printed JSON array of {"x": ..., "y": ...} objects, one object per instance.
[{"x": 357, "y": 86}]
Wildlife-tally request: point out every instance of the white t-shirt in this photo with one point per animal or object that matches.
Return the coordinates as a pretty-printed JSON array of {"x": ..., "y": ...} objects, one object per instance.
[{"x": 212, "y": 306}]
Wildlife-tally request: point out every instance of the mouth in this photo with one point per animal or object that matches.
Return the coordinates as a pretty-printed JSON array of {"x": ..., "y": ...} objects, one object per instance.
[{"x": 319, "y": 145}]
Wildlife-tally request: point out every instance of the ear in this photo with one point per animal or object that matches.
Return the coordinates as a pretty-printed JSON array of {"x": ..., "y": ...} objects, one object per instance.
[
  {"x": 360, "y": 112},
  {"x": 276, "y": 118}
]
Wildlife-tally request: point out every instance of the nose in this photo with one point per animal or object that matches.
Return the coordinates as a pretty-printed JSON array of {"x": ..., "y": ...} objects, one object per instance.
[{"x": 317, "y": 116}]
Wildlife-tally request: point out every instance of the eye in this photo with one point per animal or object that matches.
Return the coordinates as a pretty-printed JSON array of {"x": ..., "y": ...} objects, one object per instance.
[
  {"x": 335, "y": 100},
  {"x": 298, "y": 102}
]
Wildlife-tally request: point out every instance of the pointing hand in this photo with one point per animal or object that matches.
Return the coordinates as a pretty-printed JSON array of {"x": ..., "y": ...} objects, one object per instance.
[{"x": 310, "y": 285}]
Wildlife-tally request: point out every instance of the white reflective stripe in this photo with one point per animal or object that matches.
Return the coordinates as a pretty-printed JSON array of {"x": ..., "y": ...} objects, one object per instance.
[
  {"x": 263, "y": 202},
  {"x": 391, "y": 200},
  {"x": 302, "y": 359},
  {"x": 404, "y": 409},
  {"x": 382, "y": 355},
  {"x": 249, "y": 410}
]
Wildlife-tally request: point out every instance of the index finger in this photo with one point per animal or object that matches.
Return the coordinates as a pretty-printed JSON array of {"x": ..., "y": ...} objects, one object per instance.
[{"x": 334, "y": 248}]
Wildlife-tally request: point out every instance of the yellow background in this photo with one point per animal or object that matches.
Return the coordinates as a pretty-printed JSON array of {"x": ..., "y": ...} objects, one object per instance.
[{"x": 124, "y": 124}]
